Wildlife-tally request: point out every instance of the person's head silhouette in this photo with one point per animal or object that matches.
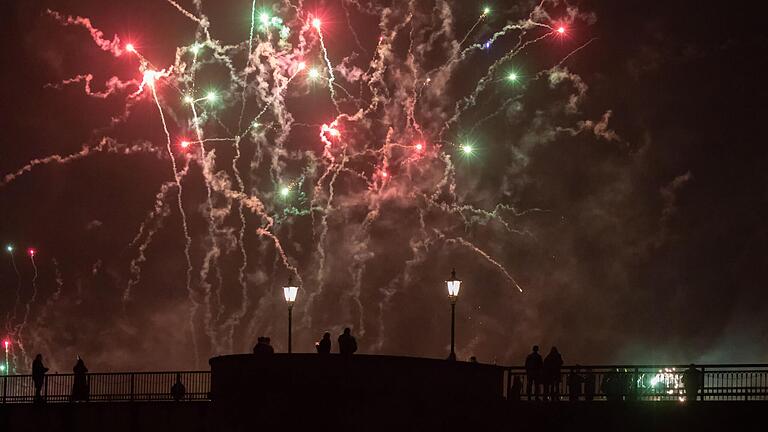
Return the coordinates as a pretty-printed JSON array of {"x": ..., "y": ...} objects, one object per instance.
[
  {"x": 535, "y": 348},
  {"x": 347, "y": 331},
  {"x": 326, "y": 335}
]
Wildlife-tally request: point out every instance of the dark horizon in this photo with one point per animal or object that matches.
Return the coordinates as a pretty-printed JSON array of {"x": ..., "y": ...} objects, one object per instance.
[{"x": 618, "y": 180}]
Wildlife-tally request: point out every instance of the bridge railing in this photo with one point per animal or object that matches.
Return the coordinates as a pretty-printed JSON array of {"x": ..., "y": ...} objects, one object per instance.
[
  {"x": 642, "y": 382},
  {"x": 599, "y": 383},
  {"x": 119, "y": 386}
]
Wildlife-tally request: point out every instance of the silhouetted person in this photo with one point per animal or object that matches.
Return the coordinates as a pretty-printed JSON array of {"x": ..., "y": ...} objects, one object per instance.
[
  {"x": 38, "y": 376},
  {"x": 612, "y": 386},
  {"x": 589, "y": 385},
  {"x": 178, "y": 391},
  {"x": 473, "y": 359},
  {"x": 574, "y": 384},
  {"x": 80, "y": 389},
  {"x": 552, "y": 364},
  {"x": 692, "y": 380},
  {"x": 347, "y": 342},
  {"x": 263, "y": 346},
  {"x": 516, "y": 388},
  {"x": 533, "y": 369},
  {"x": 324, "y": 346}
]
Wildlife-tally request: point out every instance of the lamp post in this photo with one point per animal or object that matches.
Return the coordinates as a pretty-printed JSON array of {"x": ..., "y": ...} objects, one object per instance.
[
  {"x": 290, "y": 292},
  {"x": 453, "y": 294}
]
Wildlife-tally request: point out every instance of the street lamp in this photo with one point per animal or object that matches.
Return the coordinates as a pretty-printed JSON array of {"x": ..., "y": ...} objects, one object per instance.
[
  {"x": 290, "y": 292},
  {"x": 453, "y": 294}
]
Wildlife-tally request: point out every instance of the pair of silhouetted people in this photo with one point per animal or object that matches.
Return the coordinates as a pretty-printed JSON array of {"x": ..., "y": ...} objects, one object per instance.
[
  {"x": 347, "y": 342},
  {"x": 324, "y": 345},
  {"x": 543, "y": 372},
  {"x": 80, "y": 388},
  {"x": 263, "y": 346},
  {"x": 38, "y": 376},
  {"x": 178, "y": 391}
]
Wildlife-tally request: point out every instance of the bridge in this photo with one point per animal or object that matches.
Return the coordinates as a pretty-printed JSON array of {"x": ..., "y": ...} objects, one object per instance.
[
  {"x": 365, "y": 392},
  {"x": 652, "y": 383}
]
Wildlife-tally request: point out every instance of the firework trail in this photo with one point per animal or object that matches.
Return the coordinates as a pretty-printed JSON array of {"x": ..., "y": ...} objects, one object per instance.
[
  {"x": 105, "y": 145},
  {"x": 11, "y": 317},
  {"x": 316, "y": 200},
  {"x": 19, "y": 331},
  {"x": 113, "y": 85},
  {"x": 114, "y": 46},
  {"x": 41, "y": 317},
  {"x": 317, "y": 24},
  {"x": 150, "y": 77},
  {"x": 157, "y": 215}
]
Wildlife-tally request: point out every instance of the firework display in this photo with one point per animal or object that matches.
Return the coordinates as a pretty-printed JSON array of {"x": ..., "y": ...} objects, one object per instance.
[{"x": 313, "y": 150}]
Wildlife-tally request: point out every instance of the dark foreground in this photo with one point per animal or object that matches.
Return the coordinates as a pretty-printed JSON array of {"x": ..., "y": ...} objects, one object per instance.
[{"x": 358, "y": 415}]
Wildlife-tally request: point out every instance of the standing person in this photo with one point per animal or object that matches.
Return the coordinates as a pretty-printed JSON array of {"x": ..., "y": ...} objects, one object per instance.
[
  {"x": 692, "y": 380},
  {"x": 612, "y": 386},
  {"x": 263, "y": 346},
  {"x": 80, "y": 390},
  {"x": 38, "y": 376},
  {"x": 533, "y": 369},
  {"x": 347, "y": 342},
  {"x": 574, "y": 384},
  {"x": 178, "y": 391},
  {"x": 324, "y": 346},
  {"x": 552, "y": 364}
]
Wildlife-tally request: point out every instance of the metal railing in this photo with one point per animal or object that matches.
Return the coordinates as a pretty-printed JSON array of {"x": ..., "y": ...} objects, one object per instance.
[
  {"x": 598, "y": 383},
  {"x": 644, "y": 383},
  {"x": 119, "y": 386}
]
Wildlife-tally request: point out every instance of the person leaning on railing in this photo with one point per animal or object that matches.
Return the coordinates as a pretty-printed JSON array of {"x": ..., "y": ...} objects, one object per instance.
[{"x": 38, "y": 376}]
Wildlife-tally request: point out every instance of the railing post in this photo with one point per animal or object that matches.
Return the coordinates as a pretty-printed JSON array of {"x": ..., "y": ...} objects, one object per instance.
[
  {"x": 703, "y": 382},
  {"x": 5, "y": 387},
  {"x": 133, "y": 375}
]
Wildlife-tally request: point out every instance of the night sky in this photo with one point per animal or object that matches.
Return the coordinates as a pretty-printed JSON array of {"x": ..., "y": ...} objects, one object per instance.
[{"x": 625, "y": 165}]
